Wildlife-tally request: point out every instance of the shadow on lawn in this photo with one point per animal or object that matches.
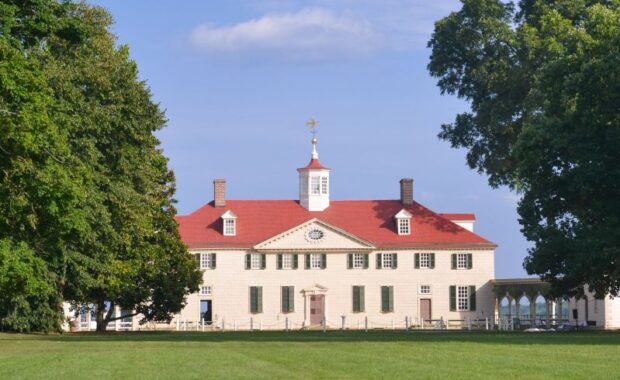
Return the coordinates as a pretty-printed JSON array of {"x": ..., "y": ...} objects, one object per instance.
[{"x": 481, "y": 337}]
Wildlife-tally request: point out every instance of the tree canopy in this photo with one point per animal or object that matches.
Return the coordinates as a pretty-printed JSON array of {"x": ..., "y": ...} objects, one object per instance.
[
  {"x": 84, "y": 186},
  {"x": 542, "y": 78}
]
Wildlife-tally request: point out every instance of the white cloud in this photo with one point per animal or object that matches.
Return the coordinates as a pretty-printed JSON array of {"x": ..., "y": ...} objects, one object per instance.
[{"x": 311, "y": 34}]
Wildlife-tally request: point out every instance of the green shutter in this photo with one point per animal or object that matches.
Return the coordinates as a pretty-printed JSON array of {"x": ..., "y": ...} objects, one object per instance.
[
  {"x": 385, "y": 302},
  {"x": 248, "y": 259},
  {"x": 291, "y": 299},
  {"x": 417, "y": 261},
  {"x": 472, "y": 298},
  {"x": 469, "y": 261},
  {"x": 394, "y": 260},
  {"x": 279, "y": 261},
  {"x": 362, "y": 298},
  {"x": 356, "y": 299},
  {"x": 253, "y": 299},
  {"x": 259, "y": 299},
  {"x": 454, "y": 261},
  {"x": 432, "y": 264},
  {"x": 213, "y": 261},
  {"x": 378, "y": 261},
  {"x": 307, "y": 261},
  {"x": 323, "y": 261},
  {"x": 452, "y": 298},
  {"x": 391, "y": 298},
  {"x": 197, "y": 256},
  {"x": 349, "y": 260},
  {"x": 365, "y": 261},
  {"x": 295, "y": 261},
  {"x": 263, "y": 261},
  {"x": 285, "y": 299}
]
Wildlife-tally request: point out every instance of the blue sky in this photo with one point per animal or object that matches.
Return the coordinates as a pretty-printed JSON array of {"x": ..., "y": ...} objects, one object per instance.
[{"x": 239, "y": 79}]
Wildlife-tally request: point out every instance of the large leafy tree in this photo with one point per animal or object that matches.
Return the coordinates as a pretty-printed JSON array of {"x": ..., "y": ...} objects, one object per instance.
[
  {"x": 543, "y": 81},
  {"x": 117, "y": 241}
]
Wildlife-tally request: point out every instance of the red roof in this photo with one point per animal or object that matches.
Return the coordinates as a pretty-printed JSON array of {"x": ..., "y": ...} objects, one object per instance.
[
  {"x": 314, "y": 164},
  {"x": 372, "y": 220},
  {"x": 459, "y": 217}
]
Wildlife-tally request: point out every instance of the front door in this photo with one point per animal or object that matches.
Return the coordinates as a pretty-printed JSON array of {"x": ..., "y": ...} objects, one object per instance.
[
  {"x": 317, "y": 309},
  {"x": 425, "y": 309},
  {"x": 206, "y": 311}
]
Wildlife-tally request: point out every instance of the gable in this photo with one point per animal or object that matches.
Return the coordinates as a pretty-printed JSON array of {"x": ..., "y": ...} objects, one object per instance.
[{"x": 314, "y": 235}]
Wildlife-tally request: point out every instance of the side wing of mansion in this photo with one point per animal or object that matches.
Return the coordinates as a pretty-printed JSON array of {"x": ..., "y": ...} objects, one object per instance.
[{"x": 316, "y": 262}]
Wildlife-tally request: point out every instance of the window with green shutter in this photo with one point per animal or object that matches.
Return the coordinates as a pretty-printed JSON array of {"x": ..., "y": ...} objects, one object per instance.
[
  {"x": 394, "y": 260},
  {"x": 263, "y": 260},
  {"x": 432, "y": 264},
  {"x": 213, "y": 261},
  {"x": 279, "y": 261},
  {"x": 295, "y": 261},
  {"x": 323, "y": 261},
  {"x": 288, "y": 299},
  {"x": 248, "y": 261},
  {"x": 417, "y": 261},
  {"x": 470, "y": 261},
  {"x": 358, "y": 299},
  {"x": 378, "y": 261},
  {"x": 349, "y": 261},
  {"x": 365, "y": 261},
  {"x": 256, "y": 299},
  {"x": 472, "y": 298},
  {"x": 387, "y": 299},
  {"x": 454, "y": 261},
  {"x": 452, "y": 298},
  {"x": 307, "y": 261}
]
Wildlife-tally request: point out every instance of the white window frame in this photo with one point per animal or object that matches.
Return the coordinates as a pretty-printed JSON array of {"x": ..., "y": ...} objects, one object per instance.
[
  {"x": 315, "y": 185},
  {"x": 206, "y": 290},
  {"x": 287, "y": 261},
  {"x": 205, "y": 260},
  {"x": 425, "y": 260},
  {"x": 404, "y": 226},
  {"x": 461, "y": 261},
  {"x": 230, "y": 227},
  {"x": 316, "y": 261},
  {"x": 425, "y": 290},
  {"x": 462, "y": 298},
  {"x": 387, "y": 260},
  {"x": 359, "y": 260},
  {"x": 324, "y": 185},
  {"x": 256, "y": 261}
]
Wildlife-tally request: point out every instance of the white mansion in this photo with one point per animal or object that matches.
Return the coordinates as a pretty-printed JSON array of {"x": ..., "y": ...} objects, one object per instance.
[
  {"x": 275, "y": 264},
  {"x": 316, "y": 260}
]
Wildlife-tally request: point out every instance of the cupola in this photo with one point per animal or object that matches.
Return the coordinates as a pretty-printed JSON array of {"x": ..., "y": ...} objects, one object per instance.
[{"x": 314, "y": 180}]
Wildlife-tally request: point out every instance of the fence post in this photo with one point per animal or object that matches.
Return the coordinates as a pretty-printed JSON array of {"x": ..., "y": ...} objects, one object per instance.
[
  {"x": 468, "y": 323},
  {"x": 177, "y": 325},
  {"x": 486, "y": 323},
  {"x": 392, "y": 324},
  {"x": 406, "y": 324},
  {"x": 223, "y": 324},
  {"x": 343, "y": 321},
  {"x": 251, "y": 324},
  {"x": 324, "y": 324},
  {"x": 260, "y": 325},
  {"x": 234, "y": 325},
  {"x": 366, "y": 323},
  {"x": 286, "y": 324}
]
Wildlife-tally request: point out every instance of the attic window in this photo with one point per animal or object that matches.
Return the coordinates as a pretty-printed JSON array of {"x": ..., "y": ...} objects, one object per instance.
[
  {"x": 229, "y": 223},
  {"x": 403, "y": 222},
  {"x": 403, "y": 227}
]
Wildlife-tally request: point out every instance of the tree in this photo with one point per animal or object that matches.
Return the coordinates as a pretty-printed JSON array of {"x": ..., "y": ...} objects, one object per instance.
[
  {"x": 102, "y": 215},
  {"x": 543, "y": 81}
]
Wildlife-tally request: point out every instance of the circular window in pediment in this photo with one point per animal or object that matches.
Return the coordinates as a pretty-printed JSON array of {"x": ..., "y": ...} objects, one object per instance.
[{"x": 315, "y": 234}]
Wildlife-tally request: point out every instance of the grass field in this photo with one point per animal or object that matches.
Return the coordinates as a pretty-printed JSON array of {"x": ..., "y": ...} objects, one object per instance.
[{"x": 313, "y": 354}]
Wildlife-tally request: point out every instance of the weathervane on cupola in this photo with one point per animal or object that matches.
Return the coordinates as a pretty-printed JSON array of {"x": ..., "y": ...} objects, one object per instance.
[
  {"x": 312, "y": 124},
  {"x": 314, "y": 178}
]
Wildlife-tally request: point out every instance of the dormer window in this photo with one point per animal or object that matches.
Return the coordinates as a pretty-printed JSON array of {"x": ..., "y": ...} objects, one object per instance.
[
  {"x": 229, "y": 220},
  {"x": 403, "y": 222}
]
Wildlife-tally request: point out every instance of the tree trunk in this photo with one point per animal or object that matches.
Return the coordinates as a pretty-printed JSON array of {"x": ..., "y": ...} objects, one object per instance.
[{"x": 102, "y": 323}]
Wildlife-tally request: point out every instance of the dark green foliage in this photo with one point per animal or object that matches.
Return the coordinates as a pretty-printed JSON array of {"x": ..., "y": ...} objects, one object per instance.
[
  {"x": 543, "y": 81},
  {"x": 82, "y": 179}
]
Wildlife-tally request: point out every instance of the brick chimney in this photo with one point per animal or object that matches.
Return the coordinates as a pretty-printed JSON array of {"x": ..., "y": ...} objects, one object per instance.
[
  {"x": 406, "y": 191},
  {"x": 219, "y": 192}
]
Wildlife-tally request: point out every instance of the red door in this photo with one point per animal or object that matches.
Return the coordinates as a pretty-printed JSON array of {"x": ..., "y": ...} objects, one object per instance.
[
  {"x": 317, "y": 309},
  {"x": 425, "y": 309}
]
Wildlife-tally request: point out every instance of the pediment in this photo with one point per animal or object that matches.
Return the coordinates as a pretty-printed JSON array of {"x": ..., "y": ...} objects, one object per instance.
[{"x": 314, "y": 235}]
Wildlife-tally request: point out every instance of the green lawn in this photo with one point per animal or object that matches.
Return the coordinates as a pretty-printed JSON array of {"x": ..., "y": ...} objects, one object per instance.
[{"x": 336, "y": 354}]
